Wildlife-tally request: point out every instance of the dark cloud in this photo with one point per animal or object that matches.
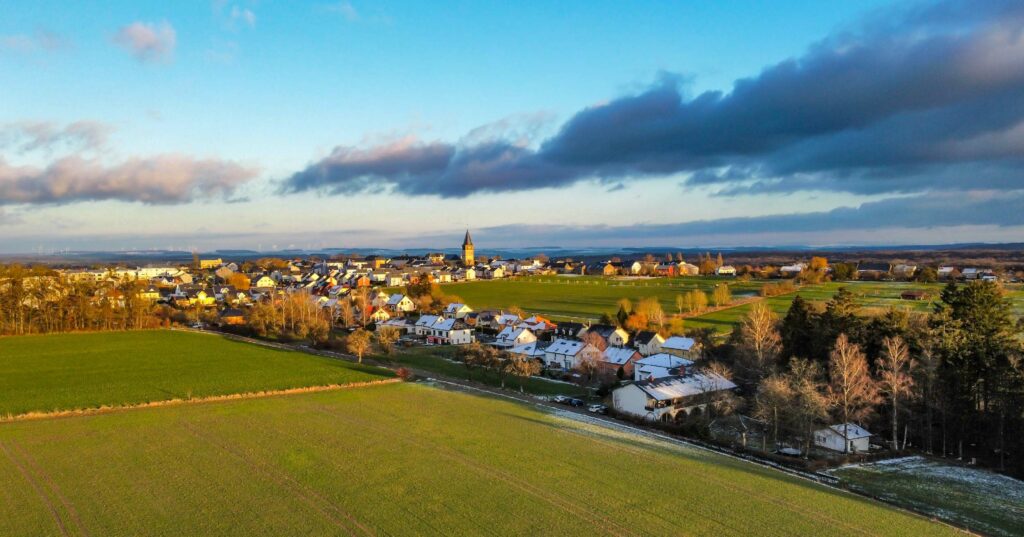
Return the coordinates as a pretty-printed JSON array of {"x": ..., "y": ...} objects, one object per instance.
[
  {"x": 160, "y": 179},
  {"x": 927, "y": 98},
  {"x": 909, "y": 214}
]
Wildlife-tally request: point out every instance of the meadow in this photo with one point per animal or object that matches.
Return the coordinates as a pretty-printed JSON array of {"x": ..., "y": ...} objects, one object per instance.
[
  {"x": 585, "y": 298},
  {"x": 89, "y": 370},
  {"x": 399, "y": 459}
]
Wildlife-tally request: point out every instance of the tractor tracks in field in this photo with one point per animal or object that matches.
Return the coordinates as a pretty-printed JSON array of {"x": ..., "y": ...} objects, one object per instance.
[{"x": 44, "y": 487}]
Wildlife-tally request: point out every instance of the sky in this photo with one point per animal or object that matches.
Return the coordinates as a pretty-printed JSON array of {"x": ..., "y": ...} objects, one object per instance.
[{"x": 268, "y": 124}]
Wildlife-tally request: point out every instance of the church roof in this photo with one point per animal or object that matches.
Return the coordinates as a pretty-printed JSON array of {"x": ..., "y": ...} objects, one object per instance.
[{"x": 468, "y": 241}]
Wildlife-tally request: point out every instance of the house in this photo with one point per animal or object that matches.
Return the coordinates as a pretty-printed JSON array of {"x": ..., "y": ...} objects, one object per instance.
[
  {"x": 210, "y": 263},
  {"x": 873, "y": 270},
  {"x": 457, "y": 310},
  {"x": 512, "y": 336},
  {"x": 648, "y": 342},
  {"x": 619, "y": 358},
  {"x": 660, "y": 365},
  {"x": 946, "y": 272},
  {"x": 380, "y": 315},
  {"x": 792, "y": 270},
  {"x": 567, "y": 354},
  {"x": 379, "y": 300},
  {"x": 538, "y": 324},
  {"x": 613, "y": 336},
  {"x": 682, "y": 347},
  {"x": 397, "y": 324},
  {"x": 725, "y": 270},
  {"x": 663, "y": 399},
  {"x": 570, "y": 330},
  {"x": 688, "y": 269},
  {"x": 904, "y": 270},
  {"x": 423, "y": 324},
  {"x": 450, "y": 332},
  {"x": 231, "y": 317},
  {"x": 843, "y": 437},
  {"x": 263, "y": 282},
  {"x": 399, "y": 303}
]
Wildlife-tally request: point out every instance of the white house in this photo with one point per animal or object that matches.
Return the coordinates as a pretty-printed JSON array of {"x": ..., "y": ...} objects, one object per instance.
[
  {"x": 424, "y": 323},
  {"x": 648, "y": 342},
  {"x": 397, "y": 324},
  {"x": 688, "y": 269},
  {"x": 567, "y": 354},
  {"x": 614, "y": 336},
  {"x": 400, "y": 303},
  {"x": 725, "y": 270},
  {"x": 380, "y": 315},
  {"x": 792, "y": 270},
  {"x": 450, "y": 332},
  {"x": 683, "y": 347},
  {"x": 664, "y": 398},
  {"x": 457, "y": 310},
  {"x": 844, "y": 438},
  {"x": 264, "y": 282},
  {"x": 660, "y": 365},
  {"x": 512, "y": 336}
]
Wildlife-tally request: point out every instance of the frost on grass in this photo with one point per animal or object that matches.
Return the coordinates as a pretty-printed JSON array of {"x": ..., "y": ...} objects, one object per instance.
[{"x": 978, "y": 499}]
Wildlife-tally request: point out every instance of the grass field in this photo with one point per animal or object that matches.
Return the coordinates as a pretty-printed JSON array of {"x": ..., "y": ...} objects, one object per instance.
[
  {"x": 980, "y": 500},
  {"x": 587, "y": 297},
  {"x": 75, "y": 371},
  {"x": 396, "y": 459}
]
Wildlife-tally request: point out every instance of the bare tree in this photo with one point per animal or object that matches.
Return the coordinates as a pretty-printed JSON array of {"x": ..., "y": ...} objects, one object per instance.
[
  {"x": 523, "y": 368},
  {"x": 894, "y": 378},
  {"x": 759, "y": 344},
  {"x": 852, "y": 391},
  {"x": 386, "y": 337}
]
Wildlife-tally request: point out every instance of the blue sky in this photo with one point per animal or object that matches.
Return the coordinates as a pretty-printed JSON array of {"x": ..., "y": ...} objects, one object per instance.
[{"x": 239, "y": 124}]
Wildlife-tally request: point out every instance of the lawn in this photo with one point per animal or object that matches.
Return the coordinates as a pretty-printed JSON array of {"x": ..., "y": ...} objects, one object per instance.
[
  {"x": 401, "y": 459},
  {"x": 980, "y": 500},
  {"x": 74, "y": 371}
]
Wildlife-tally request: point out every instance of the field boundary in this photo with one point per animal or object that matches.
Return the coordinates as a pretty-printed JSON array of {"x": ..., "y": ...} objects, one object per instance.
[{"x": 107, "y": 409}]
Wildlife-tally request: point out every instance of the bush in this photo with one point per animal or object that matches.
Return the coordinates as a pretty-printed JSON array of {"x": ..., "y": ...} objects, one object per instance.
[{"x": 405, "y": 374}]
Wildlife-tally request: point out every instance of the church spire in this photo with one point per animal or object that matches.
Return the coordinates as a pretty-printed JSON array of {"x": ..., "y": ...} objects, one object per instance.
[{"x": 468, "y": 241}]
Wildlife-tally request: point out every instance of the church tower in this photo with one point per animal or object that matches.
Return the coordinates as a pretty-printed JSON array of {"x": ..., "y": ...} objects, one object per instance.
[{"x": 467, "y": 250}]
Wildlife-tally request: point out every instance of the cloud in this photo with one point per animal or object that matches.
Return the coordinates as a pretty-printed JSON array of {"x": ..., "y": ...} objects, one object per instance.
[
  {"x": 924, "y": 98},
  {"x": 161, "y": 179},
  {"x": 148, "y": 42},
  {"x": 345, "y": 9},
  {"x": 40, "y": 41},
  {"x": 915, "y": 217},
  {"x": 243, "y": 15},
  {"x": 29, "y": 136}
]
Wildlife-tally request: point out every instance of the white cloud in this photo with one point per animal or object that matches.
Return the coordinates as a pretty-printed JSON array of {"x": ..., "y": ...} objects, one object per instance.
[{"x": 148, "y": 42}]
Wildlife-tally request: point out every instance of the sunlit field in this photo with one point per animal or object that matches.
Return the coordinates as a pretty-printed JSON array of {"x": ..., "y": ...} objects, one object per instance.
[
  {"x": 398, "y": 459},
  {"x": 74, "y": 371}
]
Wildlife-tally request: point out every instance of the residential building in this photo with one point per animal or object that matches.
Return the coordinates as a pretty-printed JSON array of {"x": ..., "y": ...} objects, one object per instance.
[
  {"x": 660, "y": 365},
  {"x": 664, "y": 398},
  {"x": 844, "y": 438},
  {"x": 682, "y": 347},
  {"x": 567, "y": 354},
  {"x": 648, "y": 342}
]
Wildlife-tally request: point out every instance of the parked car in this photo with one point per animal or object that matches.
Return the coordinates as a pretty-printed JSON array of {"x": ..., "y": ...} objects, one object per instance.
[
  {"x": 561, "y": 399},
  {"x": 576, "y": 402},
  {"x": 597, "y": 409}
]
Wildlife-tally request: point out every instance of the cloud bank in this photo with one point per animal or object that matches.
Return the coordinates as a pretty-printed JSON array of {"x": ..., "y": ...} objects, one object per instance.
[
  {"x": 930, "y": 98},
  {"x": 148, "y": 42},
  {"x": 160, "y": 179}
]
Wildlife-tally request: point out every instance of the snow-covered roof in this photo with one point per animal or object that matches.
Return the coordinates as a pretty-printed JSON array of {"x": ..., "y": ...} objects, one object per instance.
[
  {"x": 428, "y": 320},
  {"x": 511, "y": 332},
  {"x": 853, "y": 431},
  {"x": 618, "y": 355},
  {"x": 565, "y": 346},
  {"x": 679, "y": 343},
  {"x": 668, "y": 388},
  {"x": 531, "y": 349},
  {"x": 667, "y": 361},
  {"x": 396, "y": 299},
  {"x": 454, "y": 307}
]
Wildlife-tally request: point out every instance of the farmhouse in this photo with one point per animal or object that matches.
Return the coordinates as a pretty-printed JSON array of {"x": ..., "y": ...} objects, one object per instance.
[
  {"x": 613, "y": 336},
  {"x": 648, "y": 342},
  {"x": 844, "y": 438},
  {"x": 660, "y": 365},
  {"x": 616, "y": 358},
  {"x": 682, "y": 347},
  {"x": 567, "y": 354},
  {"x": 664, "y": 398}
]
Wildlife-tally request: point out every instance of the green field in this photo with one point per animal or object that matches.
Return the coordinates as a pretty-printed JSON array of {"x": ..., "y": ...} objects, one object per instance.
[
  {"x": 399, "y": 459},
  {"x": 977, "y": 499},
  {"x": 585, "y": 298},
  {"x": 75, "y": 371}
]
